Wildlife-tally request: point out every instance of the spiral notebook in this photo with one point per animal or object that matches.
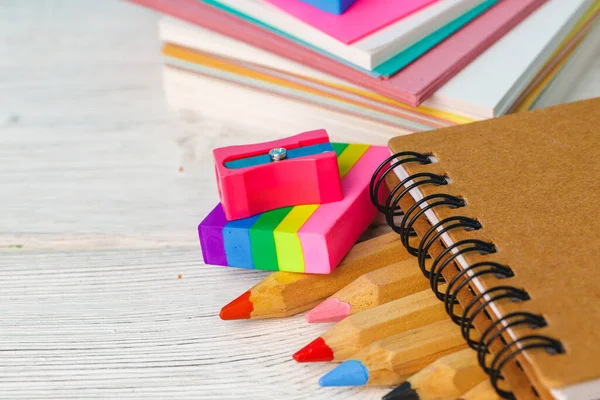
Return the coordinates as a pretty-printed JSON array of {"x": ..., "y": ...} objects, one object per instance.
[{"x": 507, "y": 212}]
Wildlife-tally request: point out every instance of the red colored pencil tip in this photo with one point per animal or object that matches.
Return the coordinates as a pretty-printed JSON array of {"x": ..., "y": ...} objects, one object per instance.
[
  {"x": 240, "y": 308},
  {"x": 317, "y": 350}
]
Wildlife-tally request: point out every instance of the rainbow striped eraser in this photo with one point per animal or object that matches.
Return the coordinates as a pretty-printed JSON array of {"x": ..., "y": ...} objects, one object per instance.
[{"x": 306, "y": 238}]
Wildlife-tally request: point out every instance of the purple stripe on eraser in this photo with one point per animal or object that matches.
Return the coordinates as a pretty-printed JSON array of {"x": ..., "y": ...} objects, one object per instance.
[{"x": 210, "y": 232}]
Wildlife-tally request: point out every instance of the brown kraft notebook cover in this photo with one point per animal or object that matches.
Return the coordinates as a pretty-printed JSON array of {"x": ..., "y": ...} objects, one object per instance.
[{"x": 532, "y": 181}]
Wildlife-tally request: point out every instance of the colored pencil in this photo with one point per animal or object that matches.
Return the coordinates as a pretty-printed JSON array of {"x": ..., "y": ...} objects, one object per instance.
[
  {"x": 370, "y": 290},
  {"x": 358, "y": 331},
  {"x": 483, "y": 391},
  {"x": 282, "y": 294},
  {"x": 393, "y": 359},
  {"x": 447, "y": 378}
]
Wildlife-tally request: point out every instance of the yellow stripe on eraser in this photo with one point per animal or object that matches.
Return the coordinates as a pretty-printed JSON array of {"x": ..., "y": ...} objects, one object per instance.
[{"x": 287, "y": 243}]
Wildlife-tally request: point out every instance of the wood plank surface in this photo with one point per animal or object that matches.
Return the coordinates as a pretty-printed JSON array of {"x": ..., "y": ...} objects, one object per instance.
[{"x": 101, "y": 189}]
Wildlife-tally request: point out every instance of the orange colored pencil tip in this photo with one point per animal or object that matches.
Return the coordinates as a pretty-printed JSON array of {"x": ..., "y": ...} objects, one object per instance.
[
  {"x": 315, "y": 351},
  {"x": 240, "y": 308}
]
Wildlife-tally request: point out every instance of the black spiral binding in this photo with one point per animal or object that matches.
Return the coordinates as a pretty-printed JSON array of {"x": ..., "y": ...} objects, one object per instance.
[{"x": 447, "y": 259}]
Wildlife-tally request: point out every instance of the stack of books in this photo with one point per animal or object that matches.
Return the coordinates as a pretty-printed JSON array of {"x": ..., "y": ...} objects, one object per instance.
[{"x": 378, "y": 69}]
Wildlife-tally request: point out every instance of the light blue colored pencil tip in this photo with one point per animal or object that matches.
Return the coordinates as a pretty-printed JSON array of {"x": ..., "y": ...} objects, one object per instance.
[{"x": 348, "y": 373}]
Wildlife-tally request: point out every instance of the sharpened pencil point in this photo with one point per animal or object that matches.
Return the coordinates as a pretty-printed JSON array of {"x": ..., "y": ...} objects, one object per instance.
[
  {"x": 348, "y": 373},
  {"x": 331, "y": 310},
  {"x": 240, "y": 308},
  {"x": 402, "y": 392},
  {"x": 317, "y": 350}
]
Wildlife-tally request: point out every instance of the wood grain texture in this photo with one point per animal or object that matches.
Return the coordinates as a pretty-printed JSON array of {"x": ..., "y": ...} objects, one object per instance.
[
  {"x": 392, "y": 360},
  {"x": 358, "y": 331},
  {"x": 383, "y": 285},
  {"x": 451, "y": 375},
  {"x": 98, "y": 222}
]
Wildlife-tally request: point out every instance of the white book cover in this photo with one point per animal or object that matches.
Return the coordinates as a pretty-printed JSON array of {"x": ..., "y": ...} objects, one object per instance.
[
  {"x": 491, "y": 83},
  {"x": 568, "y": 80}
]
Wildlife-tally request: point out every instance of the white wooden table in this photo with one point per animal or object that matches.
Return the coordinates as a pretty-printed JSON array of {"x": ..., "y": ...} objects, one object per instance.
[{"x": 98, "y": 221}]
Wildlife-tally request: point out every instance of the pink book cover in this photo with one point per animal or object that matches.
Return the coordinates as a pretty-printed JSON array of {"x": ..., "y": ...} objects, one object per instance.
[
  {"x": 411, "y": 86},
  {"x": 363, "y": 18}
]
